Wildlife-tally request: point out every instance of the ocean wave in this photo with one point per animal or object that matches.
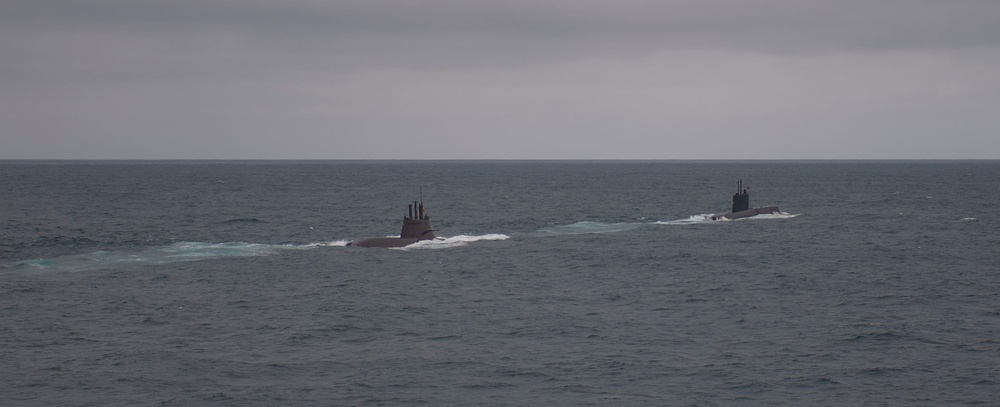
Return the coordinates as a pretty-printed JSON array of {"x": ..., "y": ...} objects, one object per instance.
[
  {"x": 53, "y": 241},
  {"x": 244, "y": 220}
]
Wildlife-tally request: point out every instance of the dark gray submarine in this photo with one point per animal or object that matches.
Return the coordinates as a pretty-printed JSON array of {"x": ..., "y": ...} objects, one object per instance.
[
  {"x": 741, "y": 206},
  {"x": 416, "y": 227}
]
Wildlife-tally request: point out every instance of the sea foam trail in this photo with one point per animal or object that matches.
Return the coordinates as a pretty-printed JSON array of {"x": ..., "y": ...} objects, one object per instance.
[
  {"x": 585, "y": 227},
  {"x": 777, "y": 215},
  {"x": 707, "y": 218},
  {"x": 454, "y": 241},
  {"x": 172, "y": 253},
  {"x": 692, "y": 220},
  {"x": 195, "y": 251},
  {"x": 580, "y": 228}
]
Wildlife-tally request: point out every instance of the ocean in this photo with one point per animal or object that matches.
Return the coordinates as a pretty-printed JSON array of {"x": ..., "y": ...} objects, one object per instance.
[{"x": 562, "y": 283}]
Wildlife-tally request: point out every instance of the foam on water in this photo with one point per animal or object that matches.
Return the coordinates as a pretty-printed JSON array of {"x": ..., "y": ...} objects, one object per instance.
[
  {"x": 692, "y": 220},
  {"x": 707, "y": 218},
  {"x": 776, "y": 215},
  {"x": 194, "y": 251},
  {"x": 335, "y": 243},
  {"x": 586, "y": 227},
  {"x": 454, "y": 241},
  {"x": 172, "y": 253}
]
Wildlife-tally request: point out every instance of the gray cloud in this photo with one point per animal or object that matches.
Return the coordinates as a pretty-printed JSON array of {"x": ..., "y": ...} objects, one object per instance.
[{"x": 498, "y": 79}]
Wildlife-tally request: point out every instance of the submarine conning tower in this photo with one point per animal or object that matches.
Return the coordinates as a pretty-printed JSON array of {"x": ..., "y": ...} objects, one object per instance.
[
  {"x": 417, "y": 223},
  {"x": 741, "y": 199}
]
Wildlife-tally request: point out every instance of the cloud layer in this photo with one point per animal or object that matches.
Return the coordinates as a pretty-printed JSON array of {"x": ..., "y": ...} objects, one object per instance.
[{"x": 499, "y": 79}]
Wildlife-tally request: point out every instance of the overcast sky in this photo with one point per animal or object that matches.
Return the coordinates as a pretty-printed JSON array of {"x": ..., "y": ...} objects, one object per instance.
[{"x": 465, "y": 79}]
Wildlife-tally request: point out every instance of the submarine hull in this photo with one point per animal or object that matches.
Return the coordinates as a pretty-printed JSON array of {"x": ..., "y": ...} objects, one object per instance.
[
  {"x": 414, "y": 230},
  {"x": 747, "y": 213},
  {"x": 383, "y": 242}
]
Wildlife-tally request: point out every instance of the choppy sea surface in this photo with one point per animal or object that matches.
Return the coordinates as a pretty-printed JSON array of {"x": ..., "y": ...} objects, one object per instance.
[{"x": 197, "y": 283}]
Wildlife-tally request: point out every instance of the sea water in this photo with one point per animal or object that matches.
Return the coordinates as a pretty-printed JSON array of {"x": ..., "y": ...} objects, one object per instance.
[{"x": 552, "y": 283}]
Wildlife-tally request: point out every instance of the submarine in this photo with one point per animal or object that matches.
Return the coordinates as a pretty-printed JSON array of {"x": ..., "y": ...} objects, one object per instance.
[
  {"x": 416, "y": 227},
  {"x": 741, "y": 206}
]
